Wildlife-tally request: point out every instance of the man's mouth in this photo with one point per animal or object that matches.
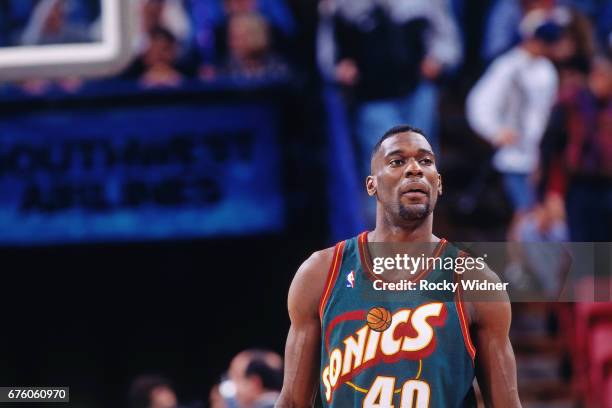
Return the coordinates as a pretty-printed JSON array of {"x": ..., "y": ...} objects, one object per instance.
[{"x": 415, "y": 191}]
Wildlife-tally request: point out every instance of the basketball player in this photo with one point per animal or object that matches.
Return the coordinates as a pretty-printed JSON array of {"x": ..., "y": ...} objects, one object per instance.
[{"x": 415, "y": 353}]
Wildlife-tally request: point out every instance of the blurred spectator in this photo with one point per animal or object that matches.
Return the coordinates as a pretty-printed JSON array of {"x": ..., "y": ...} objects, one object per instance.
[
  {"x": 255, "y": 379},
  {"x": 511, "y": 103},
  {"x": 158, "y": 65},
  {"x": 545, "y": 223},
  {"x": 502, "y": 24},
  {"x": 211, "y": 20},
  {"x": 543, "y": 265},
  {"x": 577, "y": 38},
  {"x": 169, "y": 14},
  {"x": 250, "y": 55},
  {"x": 151, "y": 391},
  {"x": 49, "y": 24},
  {"x": 388, "y": 55},
  {"x": 580, "y": 138},
  {"x": 574, "y": 51},
  {"x": 599, "y": 13},
  {"x": 504, "y": 16}
]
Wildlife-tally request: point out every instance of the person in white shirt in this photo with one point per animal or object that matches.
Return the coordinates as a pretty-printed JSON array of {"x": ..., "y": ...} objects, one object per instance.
[{"x": 510, "y": 105}]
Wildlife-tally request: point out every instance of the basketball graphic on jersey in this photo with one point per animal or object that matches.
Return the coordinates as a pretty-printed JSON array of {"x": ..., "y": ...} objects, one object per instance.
[{"x": 379, "y": 319}]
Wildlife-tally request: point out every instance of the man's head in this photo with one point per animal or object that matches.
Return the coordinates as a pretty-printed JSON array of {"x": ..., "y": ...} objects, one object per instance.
[
  {"x": 600, "y": 78},
  {"x": 152, "y": 391},
  {"x": 540, "y": 31},
  {"x": 404, "y": 177},
  {"x": 248, "y": 36},
  {"x": 162, "y": 48},
  {"x": 255, "y": 372}
]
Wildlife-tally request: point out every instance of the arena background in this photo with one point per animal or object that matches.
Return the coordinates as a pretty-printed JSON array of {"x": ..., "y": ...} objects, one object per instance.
[{"x": 156, "y": 229}]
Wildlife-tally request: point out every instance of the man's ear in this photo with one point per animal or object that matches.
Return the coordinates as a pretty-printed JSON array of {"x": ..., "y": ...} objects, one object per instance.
[
  {"x": 439, "y": 184},
  {"x": 371, "y": 185}
]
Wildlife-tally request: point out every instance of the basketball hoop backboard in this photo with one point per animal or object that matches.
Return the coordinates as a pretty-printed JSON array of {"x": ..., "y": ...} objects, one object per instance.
[{"x": 104, "y": 55}]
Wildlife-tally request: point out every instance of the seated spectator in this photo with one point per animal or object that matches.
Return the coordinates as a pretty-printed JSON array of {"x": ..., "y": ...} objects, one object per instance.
[
  {"x": 540, "y": 266},
  {"x": 211, "y": 20},
  {"x": 255, "y": 380},
  {"x": 277, "y": 37},
  {"x": 168, "y": 14},
  {"x": 250, "y": 55},
  {"x": 151, "y": 391},
  {"x": 49, "y": 24},
  {"x": 157, "y": 67}
]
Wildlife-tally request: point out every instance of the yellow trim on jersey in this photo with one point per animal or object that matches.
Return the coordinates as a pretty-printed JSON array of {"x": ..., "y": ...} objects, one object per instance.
[
  {"x": 420, "y": 369},
  {"x": 364, "y": 390},
  {"x": 357, "y": 388}
]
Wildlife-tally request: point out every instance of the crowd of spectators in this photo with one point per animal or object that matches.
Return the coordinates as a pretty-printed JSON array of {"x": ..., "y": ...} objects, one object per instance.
[
  {"x": 172, "y": 39},
  {"x": 389, "y": 60},
  {"x": 253, "y": 379},
  {"x": 387, "y": 56},
  {"x": 545, "y": 107}
]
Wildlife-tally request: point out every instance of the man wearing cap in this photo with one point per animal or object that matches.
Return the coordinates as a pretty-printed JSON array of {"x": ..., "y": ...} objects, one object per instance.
[{"x": 510, "y": 105}]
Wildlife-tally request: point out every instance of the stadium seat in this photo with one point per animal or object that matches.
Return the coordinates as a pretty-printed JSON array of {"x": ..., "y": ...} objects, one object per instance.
[
  {"x": 588, "y": 317},
  {"x": 600, "y": 354}
]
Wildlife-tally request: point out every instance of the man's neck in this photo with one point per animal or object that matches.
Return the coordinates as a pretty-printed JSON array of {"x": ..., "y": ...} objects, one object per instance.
[{"x": 386, "y": 232}]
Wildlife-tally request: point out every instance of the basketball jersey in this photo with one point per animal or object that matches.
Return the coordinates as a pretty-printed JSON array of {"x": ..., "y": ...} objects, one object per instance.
[{"x": 424, "y": 358}]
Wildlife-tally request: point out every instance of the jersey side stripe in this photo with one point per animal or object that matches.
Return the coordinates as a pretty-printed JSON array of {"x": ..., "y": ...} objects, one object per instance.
[
  {"x": 332, "y": 276},
  {"x": 463, "y": 319}
]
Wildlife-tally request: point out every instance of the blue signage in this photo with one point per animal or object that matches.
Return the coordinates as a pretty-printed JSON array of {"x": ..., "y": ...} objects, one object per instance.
[{"x": 137, "y": 173}]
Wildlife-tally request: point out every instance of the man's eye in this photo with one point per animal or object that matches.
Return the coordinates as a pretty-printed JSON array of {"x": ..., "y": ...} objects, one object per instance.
[
  {"x": 426, "y": 161},
  {"x": 396, "y": 162}
]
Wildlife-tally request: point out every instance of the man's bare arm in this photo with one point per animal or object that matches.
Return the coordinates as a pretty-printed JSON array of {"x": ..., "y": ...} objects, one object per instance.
[
  {"x": 495, "y": 362},
  {"x": 302, "y": 351}
]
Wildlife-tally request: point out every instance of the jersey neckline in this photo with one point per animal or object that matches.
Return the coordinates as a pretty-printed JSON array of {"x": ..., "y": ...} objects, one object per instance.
[{"x": 365, "y": 258}]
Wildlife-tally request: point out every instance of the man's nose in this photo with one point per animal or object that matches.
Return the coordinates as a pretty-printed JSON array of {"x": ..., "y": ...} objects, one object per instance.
[{"x": 413, "y": 169}]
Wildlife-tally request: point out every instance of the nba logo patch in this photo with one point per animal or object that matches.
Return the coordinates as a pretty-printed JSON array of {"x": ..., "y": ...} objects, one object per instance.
[{"x": 350, "y": 280}]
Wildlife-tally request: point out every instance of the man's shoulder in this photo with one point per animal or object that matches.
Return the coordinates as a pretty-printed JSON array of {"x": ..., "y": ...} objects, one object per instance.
[
  {"x": 308, "y": 284},
  {"x": 314, "y": 271},
  {"x": 318, "y": 263}
]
